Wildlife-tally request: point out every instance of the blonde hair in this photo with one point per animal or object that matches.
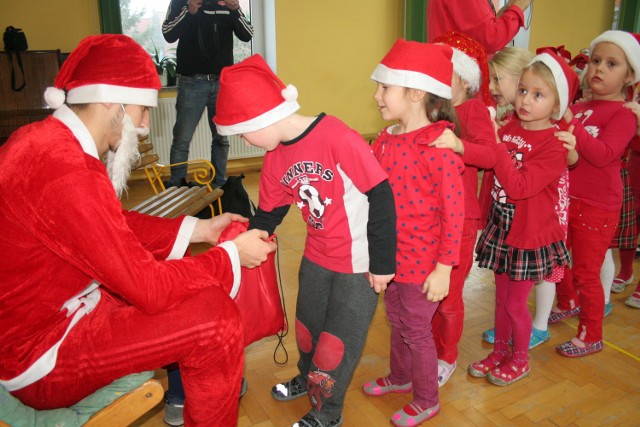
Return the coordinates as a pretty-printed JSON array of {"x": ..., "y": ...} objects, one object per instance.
[
  {"x": 541, "y": 70},
  {"x": 511, "y": 60}
]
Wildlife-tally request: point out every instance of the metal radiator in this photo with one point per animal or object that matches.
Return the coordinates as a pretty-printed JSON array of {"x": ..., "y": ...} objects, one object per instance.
[{"x": 164, "y": 116}]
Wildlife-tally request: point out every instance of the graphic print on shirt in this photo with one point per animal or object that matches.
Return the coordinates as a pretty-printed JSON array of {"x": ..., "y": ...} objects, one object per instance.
[
  {"x": 517, "y": 154},
  {"x": 583, "y": 116},
  {"x": 302, "y": 177}
]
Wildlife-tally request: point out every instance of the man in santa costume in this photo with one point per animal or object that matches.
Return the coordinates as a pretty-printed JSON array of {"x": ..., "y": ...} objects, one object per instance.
[
  {"x": 89, "y": 292},
  {"x": 478, "y": 19}
]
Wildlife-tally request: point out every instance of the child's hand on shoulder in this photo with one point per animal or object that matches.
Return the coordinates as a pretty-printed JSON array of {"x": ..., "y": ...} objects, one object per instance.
[
  {"x": 569, "y": 142},
  {"x": 635, "y": 107},
  {"x": 436, "y": 287},
  {"x": 379, "y": 282},
  {"x": 448, "y": 139}
]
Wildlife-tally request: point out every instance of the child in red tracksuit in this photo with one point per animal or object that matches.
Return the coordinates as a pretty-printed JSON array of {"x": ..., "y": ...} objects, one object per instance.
[
  {"x": 414, "y": 89},
  {"x": 633, "y": 300},
  {"x": 523, "y": 240},
  {"x": 476, "y": 147},
  {"x": 603, "y": 129}
]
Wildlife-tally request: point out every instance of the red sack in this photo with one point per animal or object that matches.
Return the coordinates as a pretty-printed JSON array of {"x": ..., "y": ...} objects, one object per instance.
[{"x": 258, "y": 298}]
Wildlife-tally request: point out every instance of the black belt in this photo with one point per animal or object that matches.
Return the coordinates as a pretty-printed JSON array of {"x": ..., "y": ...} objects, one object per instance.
[{"x": 211, "y": 76}]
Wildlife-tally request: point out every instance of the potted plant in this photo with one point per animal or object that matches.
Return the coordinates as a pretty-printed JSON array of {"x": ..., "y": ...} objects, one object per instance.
[{"x": 165, "y": 63}]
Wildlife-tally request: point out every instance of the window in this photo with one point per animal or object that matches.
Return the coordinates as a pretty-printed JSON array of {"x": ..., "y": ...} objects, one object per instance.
[{"x": 142, "y": 20}]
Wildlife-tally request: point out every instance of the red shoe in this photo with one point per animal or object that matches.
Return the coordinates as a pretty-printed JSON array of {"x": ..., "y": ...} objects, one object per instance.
[
  {"x": 507, "y": 374},
  {"x": 557, "y": 316},
  {"x": 569, "y": 349},
  {"x": 481, "y": 368}
]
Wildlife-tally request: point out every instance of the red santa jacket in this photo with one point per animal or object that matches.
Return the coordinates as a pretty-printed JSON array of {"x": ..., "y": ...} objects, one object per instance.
[{"x": 63, "y": 227}]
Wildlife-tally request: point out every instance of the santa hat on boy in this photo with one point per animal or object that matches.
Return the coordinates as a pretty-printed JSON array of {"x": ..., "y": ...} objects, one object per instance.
[
  {"x": 106, "y": 68},
  {"x": 628, "y": 42},
  {"x": 423, "y": 66},
  {"x": 251, "y": 97},
  {"x": 566, "y": 78},
  {"x": 469, "y": 62}
]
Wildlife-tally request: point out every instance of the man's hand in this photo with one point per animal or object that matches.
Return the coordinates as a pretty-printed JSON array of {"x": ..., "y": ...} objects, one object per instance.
[
  {"x": 379, "y": 282},
  {"x": 193, "y": 6},
  {"x": 232, "y": 4},
  {"x": 635, "y": 107},
  {"x": 522, "y": 4},
  {"x": 253, "y": 247},
  {"x": 208, "y": 230}
]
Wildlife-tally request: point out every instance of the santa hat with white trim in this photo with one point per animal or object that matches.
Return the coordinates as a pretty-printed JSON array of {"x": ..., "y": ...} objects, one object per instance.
[
  {"x": 251, "y": 97},
  {"x": 567, "y": 81},
  {"x": 628, "y": 42},
  {"x": 110, "y": 68},
  {"x": 423, "y": 66},
  {"x": 469, "y": 62}
]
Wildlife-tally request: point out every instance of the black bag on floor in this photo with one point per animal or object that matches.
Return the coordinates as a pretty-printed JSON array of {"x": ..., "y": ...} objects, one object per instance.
[
  {"x": 235, "y": 199},
  {"x": 15, "y": 41}
]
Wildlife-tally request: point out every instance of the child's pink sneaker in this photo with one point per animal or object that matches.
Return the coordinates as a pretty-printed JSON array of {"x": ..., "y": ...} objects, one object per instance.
[
  {"x": 413, "y": 414},
  {"x": 383, "y": 386}
]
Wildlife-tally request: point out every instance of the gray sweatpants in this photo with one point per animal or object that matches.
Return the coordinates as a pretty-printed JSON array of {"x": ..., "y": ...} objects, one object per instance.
[{"x": 333, "y": 314}]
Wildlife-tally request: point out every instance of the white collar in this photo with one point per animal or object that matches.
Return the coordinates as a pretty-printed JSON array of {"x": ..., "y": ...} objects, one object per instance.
[{"x": 79, "y": 130}]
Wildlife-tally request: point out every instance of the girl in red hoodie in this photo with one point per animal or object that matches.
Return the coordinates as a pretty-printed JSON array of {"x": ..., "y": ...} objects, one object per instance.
[{"x": 523, "y": 240}]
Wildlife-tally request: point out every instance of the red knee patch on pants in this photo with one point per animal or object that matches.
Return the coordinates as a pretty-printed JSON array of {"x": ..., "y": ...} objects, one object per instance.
[
  {"x": 329, "y": 352},
  {"x": 303, "y": 337}
]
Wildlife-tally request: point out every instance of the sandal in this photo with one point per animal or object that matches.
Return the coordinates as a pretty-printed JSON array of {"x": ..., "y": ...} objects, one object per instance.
[
  {"x": 557, "y": 316},
  {"x": 507, "y": 374},
  {"x": 569, "y": 349},
  {"x": 413, "y": 414},
  {"x": 481, "y": 368},
  {"x": 620, "y": 284},
  {"x": 633, "y": 300},
  {"x": 383, "y": 386},
  {"x": 289, "y": 390}
]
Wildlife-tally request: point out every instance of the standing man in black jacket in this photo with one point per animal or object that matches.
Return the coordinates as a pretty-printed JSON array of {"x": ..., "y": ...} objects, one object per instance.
[{"x": 204, "y": 30}]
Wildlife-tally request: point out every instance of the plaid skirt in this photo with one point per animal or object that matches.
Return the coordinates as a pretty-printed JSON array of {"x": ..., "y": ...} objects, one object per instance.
[
  {"x": 520, "y": 264},
  {"x": 627, "y": 230}
]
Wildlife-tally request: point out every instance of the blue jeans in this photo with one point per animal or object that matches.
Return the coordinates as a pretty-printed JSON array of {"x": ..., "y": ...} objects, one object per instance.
[{"x": 193, "y": 96}]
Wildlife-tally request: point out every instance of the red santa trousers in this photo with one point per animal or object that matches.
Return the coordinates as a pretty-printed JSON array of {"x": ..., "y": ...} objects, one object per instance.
[
  {"x": 203, "y": 334},
  {"x": 448, "y": 319},
  {"x": 590, "y": 232}
]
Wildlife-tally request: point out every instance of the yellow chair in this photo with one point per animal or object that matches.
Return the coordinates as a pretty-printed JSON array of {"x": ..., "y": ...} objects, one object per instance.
[{"x": 117, "y": 404}]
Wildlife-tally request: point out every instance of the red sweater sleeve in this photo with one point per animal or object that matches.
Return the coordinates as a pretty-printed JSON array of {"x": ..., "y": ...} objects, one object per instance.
[
  {"x": 479, "y": 136},
  {"x": 95, "y": 238},
  {"x": 476, "y": 19},
  {"x": 450, "y": 168}
]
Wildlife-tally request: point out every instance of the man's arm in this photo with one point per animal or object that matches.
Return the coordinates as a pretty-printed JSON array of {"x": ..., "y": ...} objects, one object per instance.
[
  {"x": 179, "y": 17},
  {"x": 242, "y": 28}
]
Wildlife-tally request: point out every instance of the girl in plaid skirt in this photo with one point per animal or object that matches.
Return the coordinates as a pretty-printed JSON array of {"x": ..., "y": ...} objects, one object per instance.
[{"x": 523, "y": 240}]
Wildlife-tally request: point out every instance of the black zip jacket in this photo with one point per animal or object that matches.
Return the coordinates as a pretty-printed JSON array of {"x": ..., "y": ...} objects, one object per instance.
[{"x": 205, "y": 43}]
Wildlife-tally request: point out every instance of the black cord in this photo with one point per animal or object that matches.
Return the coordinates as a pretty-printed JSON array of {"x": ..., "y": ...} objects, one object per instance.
[{"x": 285, "y": 331}]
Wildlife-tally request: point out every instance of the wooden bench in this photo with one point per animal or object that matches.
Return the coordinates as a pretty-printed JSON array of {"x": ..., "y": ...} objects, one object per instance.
[{"x": 175, "y": 201}]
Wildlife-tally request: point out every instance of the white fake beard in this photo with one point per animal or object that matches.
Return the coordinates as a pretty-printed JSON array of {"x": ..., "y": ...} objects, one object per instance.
[{"x": 126, "y": 155}]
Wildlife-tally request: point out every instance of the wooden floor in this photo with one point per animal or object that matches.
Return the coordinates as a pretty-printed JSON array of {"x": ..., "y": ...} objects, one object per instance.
[{"x": 602, "y": 389}]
